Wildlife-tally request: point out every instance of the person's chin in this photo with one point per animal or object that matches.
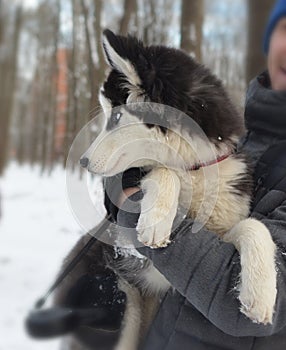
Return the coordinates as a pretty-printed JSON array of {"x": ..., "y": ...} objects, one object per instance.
[{"x": 279, "y": 82}]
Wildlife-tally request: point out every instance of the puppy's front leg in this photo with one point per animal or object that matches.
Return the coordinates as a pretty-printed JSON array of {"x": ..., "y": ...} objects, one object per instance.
[
  {"x": 131, "y": 330},
  {"x": 257, "y": 289},
  {"x": 161, "y": 188}
]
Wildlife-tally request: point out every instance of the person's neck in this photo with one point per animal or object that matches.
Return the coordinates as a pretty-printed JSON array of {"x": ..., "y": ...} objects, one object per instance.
[{"x": 264, "y": 80}]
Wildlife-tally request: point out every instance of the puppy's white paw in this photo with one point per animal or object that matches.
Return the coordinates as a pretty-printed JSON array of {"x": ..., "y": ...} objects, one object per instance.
[
  {"x": 154, "y": 231},
  {"x": 258, "y": 299},
  {"x": 258, "y": 273}
]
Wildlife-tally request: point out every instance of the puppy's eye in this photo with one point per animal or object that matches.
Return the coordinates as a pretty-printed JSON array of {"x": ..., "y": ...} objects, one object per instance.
[
  {"x": 115, "y": 117},
  {"x": 113, "y": 120}
]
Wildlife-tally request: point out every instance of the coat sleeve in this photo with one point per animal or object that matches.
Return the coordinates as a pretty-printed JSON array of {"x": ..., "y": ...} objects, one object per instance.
[{"x": 205, "y": 270}]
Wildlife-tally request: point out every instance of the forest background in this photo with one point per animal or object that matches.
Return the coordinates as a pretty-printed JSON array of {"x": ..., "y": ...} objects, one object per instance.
[
  {"x": 51, "y": 66},
  {"x": 51, "y": 62}
]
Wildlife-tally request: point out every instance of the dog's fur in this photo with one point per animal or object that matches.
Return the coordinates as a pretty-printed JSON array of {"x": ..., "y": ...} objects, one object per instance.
[{"x": 170, "y": 151}]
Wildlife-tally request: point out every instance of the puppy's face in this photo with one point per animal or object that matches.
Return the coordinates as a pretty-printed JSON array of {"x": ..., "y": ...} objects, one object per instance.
[
  {"x": 158, "y": 74},
  {"x": 132, "y": 135},
  {"x": 125, "y": 142}
]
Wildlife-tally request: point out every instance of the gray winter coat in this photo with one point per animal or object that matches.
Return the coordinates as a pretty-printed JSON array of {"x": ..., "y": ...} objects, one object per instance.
[{"x": 201, "y": 312}]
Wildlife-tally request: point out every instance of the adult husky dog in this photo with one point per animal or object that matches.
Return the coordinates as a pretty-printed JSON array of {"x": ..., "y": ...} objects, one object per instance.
[{"x": 142, "y": 75}]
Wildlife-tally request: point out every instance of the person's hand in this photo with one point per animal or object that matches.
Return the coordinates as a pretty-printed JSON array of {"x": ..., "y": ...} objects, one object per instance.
[
  {"x": 125, "y": 194},
  {"x": 129, "y": 210}
]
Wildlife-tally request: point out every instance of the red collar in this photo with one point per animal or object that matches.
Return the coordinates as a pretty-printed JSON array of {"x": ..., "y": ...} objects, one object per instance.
[{"x": 211, "y": 162}]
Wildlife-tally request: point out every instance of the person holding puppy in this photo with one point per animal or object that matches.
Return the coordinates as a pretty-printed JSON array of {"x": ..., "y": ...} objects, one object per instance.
[{"x": 201, "y": 312}]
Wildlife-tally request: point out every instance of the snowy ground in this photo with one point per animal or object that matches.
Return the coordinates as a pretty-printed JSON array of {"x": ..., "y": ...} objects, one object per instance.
[{"x": 37, "y": 229}]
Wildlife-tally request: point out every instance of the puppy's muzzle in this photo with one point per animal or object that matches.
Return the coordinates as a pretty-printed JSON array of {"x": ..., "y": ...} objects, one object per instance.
[{"x": 84, "y": 162}]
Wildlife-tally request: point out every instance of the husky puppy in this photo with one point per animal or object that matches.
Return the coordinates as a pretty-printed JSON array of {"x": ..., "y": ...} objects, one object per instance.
[{"x": 176, "y": 156}]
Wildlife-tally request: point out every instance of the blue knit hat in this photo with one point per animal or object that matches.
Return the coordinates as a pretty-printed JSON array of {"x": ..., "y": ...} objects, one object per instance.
[{"x": 279, "y": 10}]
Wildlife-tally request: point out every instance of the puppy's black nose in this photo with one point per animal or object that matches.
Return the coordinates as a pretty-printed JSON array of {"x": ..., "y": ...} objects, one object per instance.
[{"x": 84, "y": 162}]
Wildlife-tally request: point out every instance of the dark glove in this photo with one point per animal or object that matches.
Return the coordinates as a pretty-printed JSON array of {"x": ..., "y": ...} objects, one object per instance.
[
  {"x": 116, "y": 184},
  {"x": 92, "y": 312}
]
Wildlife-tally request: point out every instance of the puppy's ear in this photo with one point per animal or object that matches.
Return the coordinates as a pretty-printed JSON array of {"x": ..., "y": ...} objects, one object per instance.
[{"x": 116, "y": 48}]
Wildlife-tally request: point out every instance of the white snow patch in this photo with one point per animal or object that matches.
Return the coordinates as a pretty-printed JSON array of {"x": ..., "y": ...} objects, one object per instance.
[{"x": 37, "y": 230}]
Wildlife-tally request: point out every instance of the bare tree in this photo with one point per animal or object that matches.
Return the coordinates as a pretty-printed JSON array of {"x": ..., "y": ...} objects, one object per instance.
[
  {"x": 258, "y": 12},
  {"x": 9, "y": 45},
  {"x": 192, "y": 14},
  {"x": 94, "y": 52},
  {"x": 151, "y": 26},
  {"x": 129, "y": 10},
  {"x": 97, "y": 30},
  {"x": 72, "y": 115},
  {"x": 1, "y": 23},
  {"x": 48, "y": 33}
]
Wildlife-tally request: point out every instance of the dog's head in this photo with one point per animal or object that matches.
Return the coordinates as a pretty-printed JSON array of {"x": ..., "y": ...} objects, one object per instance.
[{"x": 166, "y": 76}]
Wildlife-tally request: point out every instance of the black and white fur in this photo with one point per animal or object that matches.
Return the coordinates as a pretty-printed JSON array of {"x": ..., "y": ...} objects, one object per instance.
[{"x": 170, "y": 77}]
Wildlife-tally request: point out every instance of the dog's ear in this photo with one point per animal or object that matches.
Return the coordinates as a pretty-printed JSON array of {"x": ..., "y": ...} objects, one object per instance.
[{"x": 115, "y": 48}]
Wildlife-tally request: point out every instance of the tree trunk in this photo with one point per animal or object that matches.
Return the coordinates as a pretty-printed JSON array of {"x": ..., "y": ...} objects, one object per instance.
[
  {"x": 8, "y": 69},
  {"x": 1, "y": 23},
  {"x": 98, "y": 31},
  {"x": 90, "y": 63},
  {"x": 192, "y": 15},
  {"x": 51, "y": 155},
  {"x": 130, "y": 8},
  {"x": 258, "y": 12},
  {"x": 73, "y": 110}
]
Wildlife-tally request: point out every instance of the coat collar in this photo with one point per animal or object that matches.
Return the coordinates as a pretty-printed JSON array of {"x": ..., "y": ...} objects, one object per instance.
[{"x": 265, "y": 110}]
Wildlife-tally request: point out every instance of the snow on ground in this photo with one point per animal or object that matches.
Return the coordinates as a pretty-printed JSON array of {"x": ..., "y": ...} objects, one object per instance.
[{"x": 37, "y": 230}]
